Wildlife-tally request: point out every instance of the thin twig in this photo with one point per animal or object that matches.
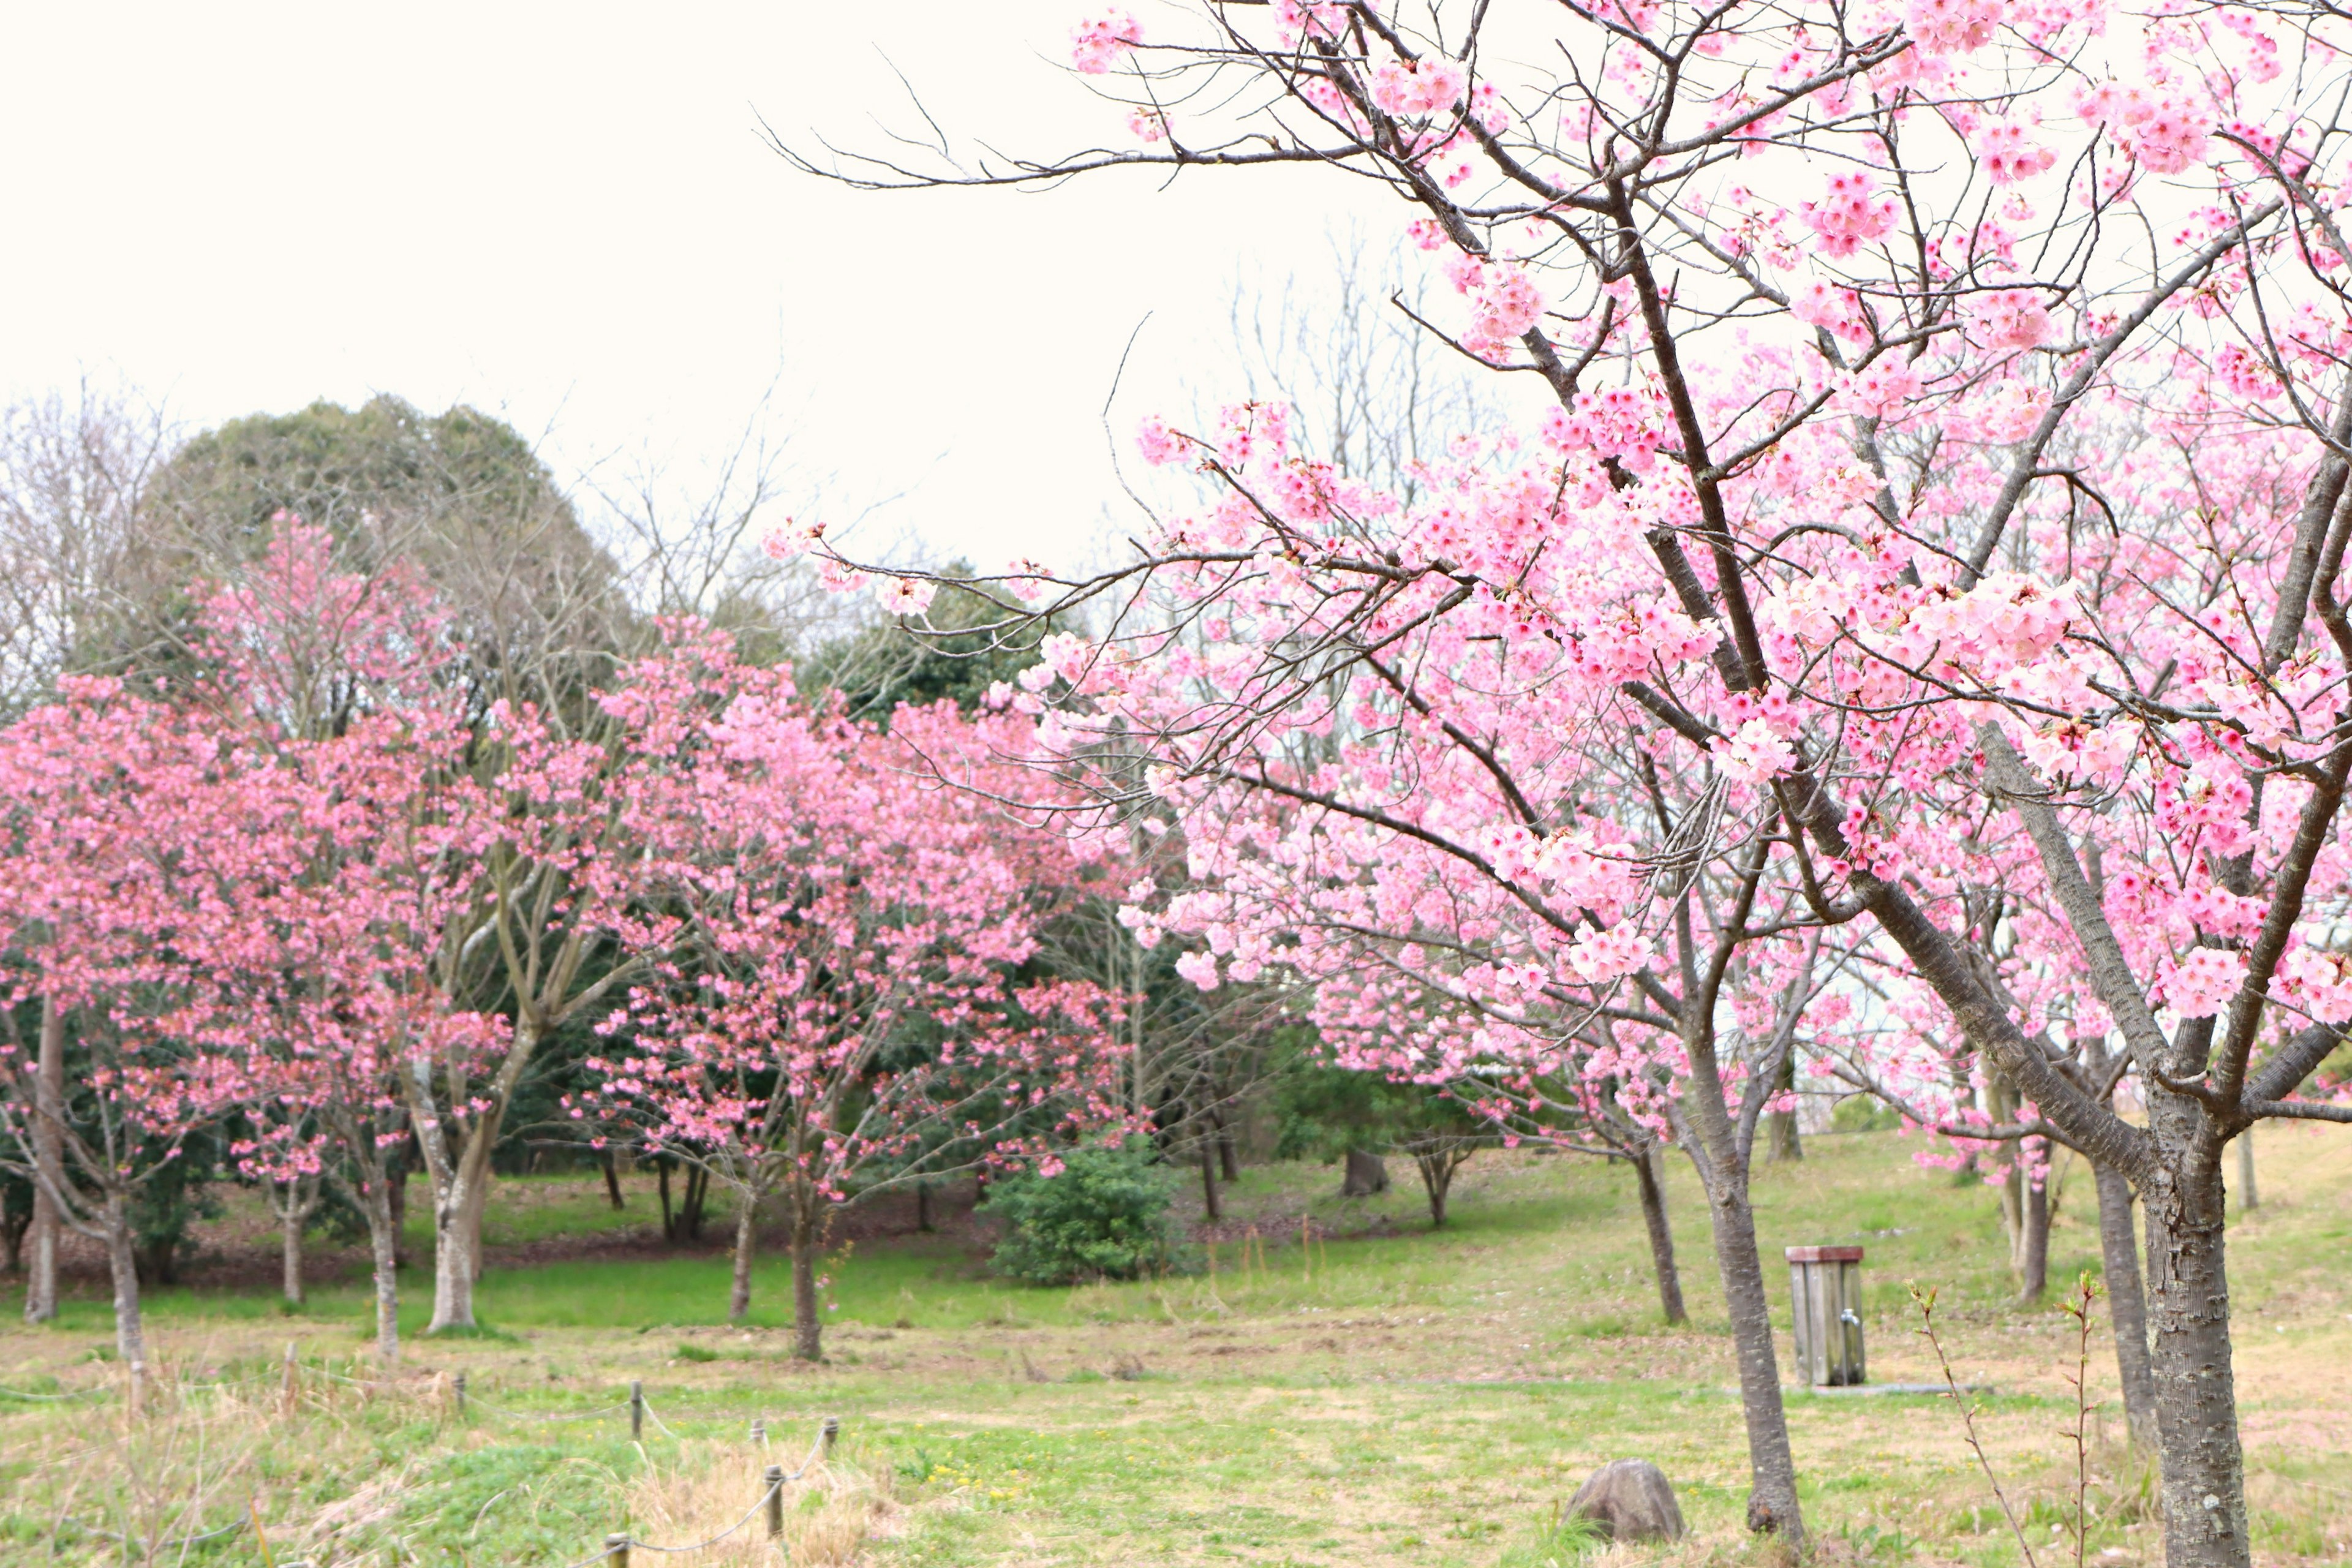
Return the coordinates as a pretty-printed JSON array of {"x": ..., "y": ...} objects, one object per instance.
[{"x": 1926, "y": 1303}]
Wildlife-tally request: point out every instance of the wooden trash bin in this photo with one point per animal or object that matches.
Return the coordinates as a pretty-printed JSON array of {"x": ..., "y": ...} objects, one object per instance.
[{"x": 1826, "y": 1282}]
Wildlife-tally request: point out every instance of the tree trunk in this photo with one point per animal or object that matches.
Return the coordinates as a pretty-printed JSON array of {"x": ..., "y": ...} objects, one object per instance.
[
  {"x": 384, "y": 1253},
  {"x": 739, "y": 1298},
  {"x": 2033, "y": 1261},
  {"x": 2001, "y": 1105},
  {"x": 1782, "y": 1141},
  {"x": 1365, "y": 1175},
  {"x": 130, "y": 1333},
  {"x": 289, "y": 1247},
  {"x": 1436, "y": 1179},
  {"x": 2248, "y": 1199},
  {"x": 1229, "y": 1157},
  {"x": 1772, "y": 1505},
  {"x": 48, "y": 1156},
  {"x": 1209, "y": 1183},
  {"x": 2196, "y": 1392},
  {"x": 669, "y": 1220},
  {"x": 2126, "y": 1303},
  {"x": 395, "y": 1168},
  {"x": 613, "y": 1180},
  {"x": 1772, "y": 1499},
  {"x": 923, "y": 1204},
  {"x": 461, "y": 1190},
  {"x": 1649, "y": 1172},
  {"x": 808, "y": 1327}
]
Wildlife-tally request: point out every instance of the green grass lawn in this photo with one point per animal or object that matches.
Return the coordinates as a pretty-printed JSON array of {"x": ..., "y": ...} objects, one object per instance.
[{"x": 1399, "y": 1395}]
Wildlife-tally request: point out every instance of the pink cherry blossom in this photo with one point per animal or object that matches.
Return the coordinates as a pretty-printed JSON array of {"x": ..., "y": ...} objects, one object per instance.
[{"x": 1103, "y": 41}]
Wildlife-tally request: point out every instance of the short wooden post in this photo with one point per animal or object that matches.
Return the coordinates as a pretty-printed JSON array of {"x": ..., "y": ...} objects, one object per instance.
[
  {"x": 616, "y": 1552},
  {"x": 458, "y": 1389},
  {"x": 759, "y": 1430},
  {"x": 636, "y": 1410},
  {"x": 293, "y": 1384},
  {"x": 831, "y": 1433},
  {"x": 774, "y": 1477}
]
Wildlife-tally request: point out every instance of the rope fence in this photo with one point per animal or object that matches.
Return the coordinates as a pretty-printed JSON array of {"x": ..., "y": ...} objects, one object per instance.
[
  {"x": 772, "y": 1481},
  {"x": 615, "y": 1553}
]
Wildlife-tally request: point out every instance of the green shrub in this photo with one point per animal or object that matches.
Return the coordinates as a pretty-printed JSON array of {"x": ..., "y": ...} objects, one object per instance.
[
  {"x": 1862, "y": 1113},
  {"x": 1105, "y": 1216}
]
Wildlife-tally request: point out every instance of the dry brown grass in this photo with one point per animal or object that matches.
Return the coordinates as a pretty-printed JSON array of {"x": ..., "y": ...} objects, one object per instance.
[{"x": 831, "y": 1514}]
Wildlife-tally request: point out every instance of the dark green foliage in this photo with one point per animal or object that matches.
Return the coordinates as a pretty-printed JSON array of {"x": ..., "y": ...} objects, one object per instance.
[
  {"x": 459, "y": 497},
  {"x": 1323, "y": 1112},
  {"x": 176, "y": 1195},
  {"x": 342, "y": 469},
  {"x": 1105, "y": 1216},
  {"x": 15, "y": 1218}
]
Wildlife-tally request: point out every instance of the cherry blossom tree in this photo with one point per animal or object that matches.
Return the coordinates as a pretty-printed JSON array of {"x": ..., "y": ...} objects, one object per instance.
[
  {"x": 845, "y": 921},
  {"x": 125, "y": 819},
  {"x": 1824, "y": 592}
]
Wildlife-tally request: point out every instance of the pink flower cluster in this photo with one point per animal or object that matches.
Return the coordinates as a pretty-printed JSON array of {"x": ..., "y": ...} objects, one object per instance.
[
  {"x": 2008, "y": 154},
  {"x": 2011, "y": 319},
  {"x": 2162, "y": 127},
  {"x": 1418, "y": 90},
  {"x": 1851, "y": 211},
  {"x": 1503, "y": 303},
  {"x": 1952, "y": 26},
  {"x": 1101, "y": 41}
]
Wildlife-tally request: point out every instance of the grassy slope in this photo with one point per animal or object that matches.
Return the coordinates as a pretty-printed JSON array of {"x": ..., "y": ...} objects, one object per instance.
[{"x": 1401, "y": 1397}]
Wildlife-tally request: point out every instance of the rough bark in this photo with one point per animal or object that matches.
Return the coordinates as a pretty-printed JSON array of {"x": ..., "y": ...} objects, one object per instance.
[
  {"x": 923, "y": 1204},
  {"x": 2127, "y": 1303},
  {"x": 2249, "y": 1199},
  {"x": 1649, "y": 1172},
  {"x": 48, "y": 1155},
  {"x": 2196, "y": 1392},
  {"x": 1229, "y": 1154},
  {"x": 1210, "y": 1208},
  {"x": 613, "y": 1180},
  {"x": 747, "y": 1235}
]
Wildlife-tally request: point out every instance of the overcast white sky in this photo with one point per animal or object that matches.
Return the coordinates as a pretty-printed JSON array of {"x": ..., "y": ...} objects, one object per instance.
[{"x": 565, "y": 213}]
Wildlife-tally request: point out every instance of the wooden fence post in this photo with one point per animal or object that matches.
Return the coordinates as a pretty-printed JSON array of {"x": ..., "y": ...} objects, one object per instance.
[
  {"x": 774, "y": 1477},
  {"x": 831, "y": 1433},
  {"x": 636, "y": 1410},
  {"x": 616, "y": 1552},
  {"x": 759, "y": 1430},
  {"x": 292, "y": 1382},
  {"x": 457, "y": 1387}
]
